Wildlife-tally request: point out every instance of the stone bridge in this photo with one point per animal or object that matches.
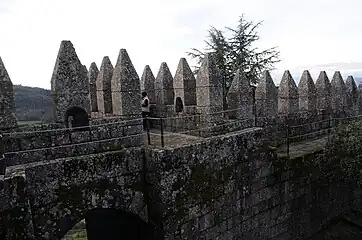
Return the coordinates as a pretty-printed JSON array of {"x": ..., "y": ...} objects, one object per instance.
[{"x": 223, "y": 187}]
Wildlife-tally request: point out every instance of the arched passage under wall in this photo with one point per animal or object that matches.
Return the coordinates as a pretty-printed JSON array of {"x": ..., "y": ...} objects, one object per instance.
[
  {"x": 116, "y": 224},
  {"x": 76, "y": 117},
  {"x": 111, "y": 224}
]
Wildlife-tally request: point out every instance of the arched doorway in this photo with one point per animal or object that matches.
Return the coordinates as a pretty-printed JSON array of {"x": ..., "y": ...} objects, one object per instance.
[
  {"x": 115, "y": 224},
  {"x": 179, "y": 106},
  {"x": 76, "y": 117}
]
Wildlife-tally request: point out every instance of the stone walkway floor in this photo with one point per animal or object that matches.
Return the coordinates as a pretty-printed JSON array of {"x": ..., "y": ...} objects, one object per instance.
[
  {"x": 302, "y": 148},
  {"x": 170, "y": 139}
]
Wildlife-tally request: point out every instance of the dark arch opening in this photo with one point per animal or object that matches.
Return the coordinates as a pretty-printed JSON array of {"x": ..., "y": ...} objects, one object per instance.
[
  {"x": 179, "y": 106},
  {"x": 76, "y": 117},
  {"x": 115, "y": 224}
]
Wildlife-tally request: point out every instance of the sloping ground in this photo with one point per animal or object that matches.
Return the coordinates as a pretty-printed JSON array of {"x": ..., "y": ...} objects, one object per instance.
[{"x": 349, "y": 227}]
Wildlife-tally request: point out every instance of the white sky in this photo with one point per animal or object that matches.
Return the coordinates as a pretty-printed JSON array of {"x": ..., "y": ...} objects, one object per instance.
[{"x": 311, "y": 34}]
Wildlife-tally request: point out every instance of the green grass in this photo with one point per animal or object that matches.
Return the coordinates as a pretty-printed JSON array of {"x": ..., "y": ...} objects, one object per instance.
[
  {"x": 76, "y": 234},
  {"x": 23, "y": 123}
]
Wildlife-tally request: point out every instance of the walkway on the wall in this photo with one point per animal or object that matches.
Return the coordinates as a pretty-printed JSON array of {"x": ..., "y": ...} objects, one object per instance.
[
  {"x": 170, "y": 139},
  {"x": 299, "y": 149}
]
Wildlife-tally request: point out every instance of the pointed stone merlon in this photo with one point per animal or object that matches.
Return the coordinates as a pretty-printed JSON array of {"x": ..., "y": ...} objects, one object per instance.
[
  {"x": 164, "y": 92},
  {"x": 148, "y": 84},
  {"x": 69, "y": 84},
  {"x": 323, "y": 89},
  {"x": 352, "y": 96},
  {"x": 103, "y": 85},
  {"x": 307, "y": 93},
  {"x": 7, "y": 105},
  {"x": 288, "y": 97},
  {"x": 185, "y": 83},
  {"x": 338, "y": 93},
  {"x": 359, "y": 101},
  {"x": 209, "y": 91},
  {"x": 126, "y": 88},
  {"x": 266, "y": 97},
  {"x": 240, "y": 97},
  {"x": 92, "y": 76}
]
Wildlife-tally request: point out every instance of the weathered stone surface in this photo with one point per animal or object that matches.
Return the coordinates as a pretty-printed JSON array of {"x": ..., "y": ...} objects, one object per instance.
[
  {"x": 225, "y": 187},
  {"x": 69, "y": 84},
  {"x": 240, "y": 97},
  {"x": 323, "y": 88},
  {"x": 7, "y": 105},
  {"x": 92, "y": 75},
  {"x": 209, "y": 91},
  {"x": 352, "y": 96},
  {"x": 288, "y": 97},
  {"x": 307, "y": 93},
  {"x": 338, "y": 93},
  {"x": 148, "y": 84},
  {"x": 359, "y": 102},
  {"x": 185, "y": 83},
  {"x": 266, "y": 97},
  {"x": 104, "y": 91},
  {"x": 164, "y": 92},
  {"x": 126, "y": 88}
]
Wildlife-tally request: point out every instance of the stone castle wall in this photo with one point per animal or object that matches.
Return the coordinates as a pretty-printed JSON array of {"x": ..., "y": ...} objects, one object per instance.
[
  {"x": 187, "y": 104},
  {"x": 49, "y": 144},
  {"x": 57, "y": 194},
  {"x": 231, "y": 186}
]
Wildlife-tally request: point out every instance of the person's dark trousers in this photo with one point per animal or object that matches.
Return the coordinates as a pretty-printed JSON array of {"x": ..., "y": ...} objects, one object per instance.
[{"x": 145, "y": 121}]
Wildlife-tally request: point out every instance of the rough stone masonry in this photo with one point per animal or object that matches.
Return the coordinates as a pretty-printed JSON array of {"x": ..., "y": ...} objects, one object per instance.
[{"x": 229, "y": 185}]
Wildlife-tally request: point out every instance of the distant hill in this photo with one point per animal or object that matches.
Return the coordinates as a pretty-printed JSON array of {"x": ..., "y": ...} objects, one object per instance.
[
  {"x": 32, "y": 103},
  {"x": 358, "y": 80}
]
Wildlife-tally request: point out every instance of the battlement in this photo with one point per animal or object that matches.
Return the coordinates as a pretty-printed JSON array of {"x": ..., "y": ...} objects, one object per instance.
[{"x": 98, "y": 110}]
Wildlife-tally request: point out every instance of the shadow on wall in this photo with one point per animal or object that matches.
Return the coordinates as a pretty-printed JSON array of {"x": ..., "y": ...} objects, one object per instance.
[{"x": 114, "y": 224}]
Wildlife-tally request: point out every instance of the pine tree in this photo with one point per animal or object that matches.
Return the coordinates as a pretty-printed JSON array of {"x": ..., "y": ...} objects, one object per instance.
[{"x": 237, "y": 52}]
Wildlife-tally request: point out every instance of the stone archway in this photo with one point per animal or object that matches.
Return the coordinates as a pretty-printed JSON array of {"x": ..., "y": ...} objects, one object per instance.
[
  {"x": 76, "y": 117},
  {"x": 110, "y": 223},
  {"x": 179, "y": 106}
]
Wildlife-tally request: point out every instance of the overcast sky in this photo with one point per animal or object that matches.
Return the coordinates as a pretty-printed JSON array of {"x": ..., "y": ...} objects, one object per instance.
[{"x": 311, "y": 34}]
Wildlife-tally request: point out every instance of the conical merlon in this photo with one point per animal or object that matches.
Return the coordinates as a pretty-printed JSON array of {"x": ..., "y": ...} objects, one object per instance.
[
  {"x": 165, "y": 94},
  {"x": 185, "y": 83},
  {"x": 104, "y": 86},
  {"x": 287, "y": 87},
  {"x": 239, "y": 97},
  {"x": 4, "y": 76},
  {"x": 209, "y": 92},
  {"x": 7, "y": 105},
  {"x": 92, "y": 75},
  {"x": 70, "y": 83},
  {"x": 288, "y": 97},
  {"x": 266, "y": 88},
  {"x": 126, "y": 87},
  {"x": 306, "y": 84},
  {"x": 307, "y": 93},
  {"x": 148, "y": 83}
]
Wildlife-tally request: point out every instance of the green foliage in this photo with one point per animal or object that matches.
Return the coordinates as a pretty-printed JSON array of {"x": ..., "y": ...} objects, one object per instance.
[
  {"x": 33, "y": 104},
  {"x": 237, "y": 52},
  {"x": 345, "y": 148}
]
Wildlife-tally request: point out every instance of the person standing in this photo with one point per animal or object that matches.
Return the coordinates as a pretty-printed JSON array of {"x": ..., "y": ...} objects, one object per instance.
[{"x": 145, "y": 106}]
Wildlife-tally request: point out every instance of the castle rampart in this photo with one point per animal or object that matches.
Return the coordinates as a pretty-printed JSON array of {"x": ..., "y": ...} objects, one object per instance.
[
  {"x": 221, "y": 187},
  {"x": 226, "y": 184}
]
